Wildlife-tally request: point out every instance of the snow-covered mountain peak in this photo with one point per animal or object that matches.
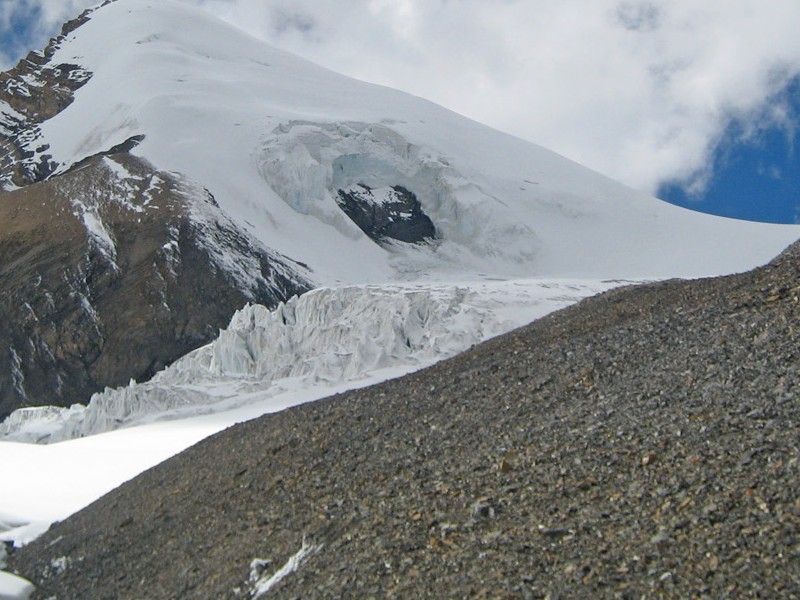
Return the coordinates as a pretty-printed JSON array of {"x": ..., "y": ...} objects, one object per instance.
[{"x": 280, "y": 142}]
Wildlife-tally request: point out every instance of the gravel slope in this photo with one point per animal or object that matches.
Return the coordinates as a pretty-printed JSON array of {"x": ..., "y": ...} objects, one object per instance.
[{"x": 641, "y": 443}]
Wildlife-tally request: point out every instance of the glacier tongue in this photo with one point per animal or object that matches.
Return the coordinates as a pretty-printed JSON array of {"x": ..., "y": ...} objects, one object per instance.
[
  {"x": 331, "y": 335},
  {"x": 325, "y": 337}
]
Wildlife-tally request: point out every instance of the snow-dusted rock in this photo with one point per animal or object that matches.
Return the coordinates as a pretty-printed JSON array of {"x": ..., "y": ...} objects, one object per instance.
[{"x": 112, "y": 271}]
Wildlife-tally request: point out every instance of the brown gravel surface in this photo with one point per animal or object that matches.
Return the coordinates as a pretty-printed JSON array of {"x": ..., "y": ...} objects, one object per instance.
[{"x": 643, "y": 443}]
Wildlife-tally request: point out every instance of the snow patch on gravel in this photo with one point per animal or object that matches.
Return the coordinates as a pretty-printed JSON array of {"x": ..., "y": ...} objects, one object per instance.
[{"x": 261, "y": 584}]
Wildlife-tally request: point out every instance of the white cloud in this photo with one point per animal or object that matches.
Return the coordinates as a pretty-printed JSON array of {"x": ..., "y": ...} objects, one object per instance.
[{"x": 641, "y": 90}]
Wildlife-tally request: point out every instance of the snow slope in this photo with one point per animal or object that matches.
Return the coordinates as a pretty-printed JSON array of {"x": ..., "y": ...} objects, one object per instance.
[{"x": 273, "y": 137}]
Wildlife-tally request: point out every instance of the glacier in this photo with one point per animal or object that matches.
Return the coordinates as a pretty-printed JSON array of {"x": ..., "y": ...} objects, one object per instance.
[{"x": 324, "y": 338}]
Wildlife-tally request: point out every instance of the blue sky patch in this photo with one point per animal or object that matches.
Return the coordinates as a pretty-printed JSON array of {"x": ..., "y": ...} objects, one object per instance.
[
  {"x": 755, "y": 178},
  {"x": 20, "y": 36}
]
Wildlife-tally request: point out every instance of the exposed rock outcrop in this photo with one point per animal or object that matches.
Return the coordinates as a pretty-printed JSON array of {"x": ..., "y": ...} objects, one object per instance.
[
  {"x": 113, "y": 270},
  {"x": 384, "y": 214},
  {"x": 110, "y": 270},
  {"x": 31, "y": 93}
]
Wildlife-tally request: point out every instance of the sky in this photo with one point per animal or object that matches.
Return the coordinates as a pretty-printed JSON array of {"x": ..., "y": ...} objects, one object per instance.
[{"x": 695, "y": 101}]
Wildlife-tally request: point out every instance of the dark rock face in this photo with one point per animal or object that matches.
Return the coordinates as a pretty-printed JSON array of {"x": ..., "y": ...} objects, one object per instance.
[
  {"x": 642, "y": 443},
  {"x": 385, "y": 214},
  {"x": 114, "y": 270},
  {"x": 110, "y": 270}
]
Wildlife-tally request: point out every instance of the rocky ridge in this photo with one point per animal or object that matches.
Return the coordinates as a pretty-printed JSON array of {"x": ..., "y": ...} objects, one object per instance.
[
  {"x": 640, "y": 443},
  {"x": 34, "y": 91},
  {"x": 112, "y": 271}
]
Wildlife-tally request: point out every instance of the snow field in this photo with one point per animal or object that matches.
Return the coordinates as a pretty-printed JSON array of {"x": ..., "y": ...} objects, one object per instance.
[{"x": 13, "y": 587}]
